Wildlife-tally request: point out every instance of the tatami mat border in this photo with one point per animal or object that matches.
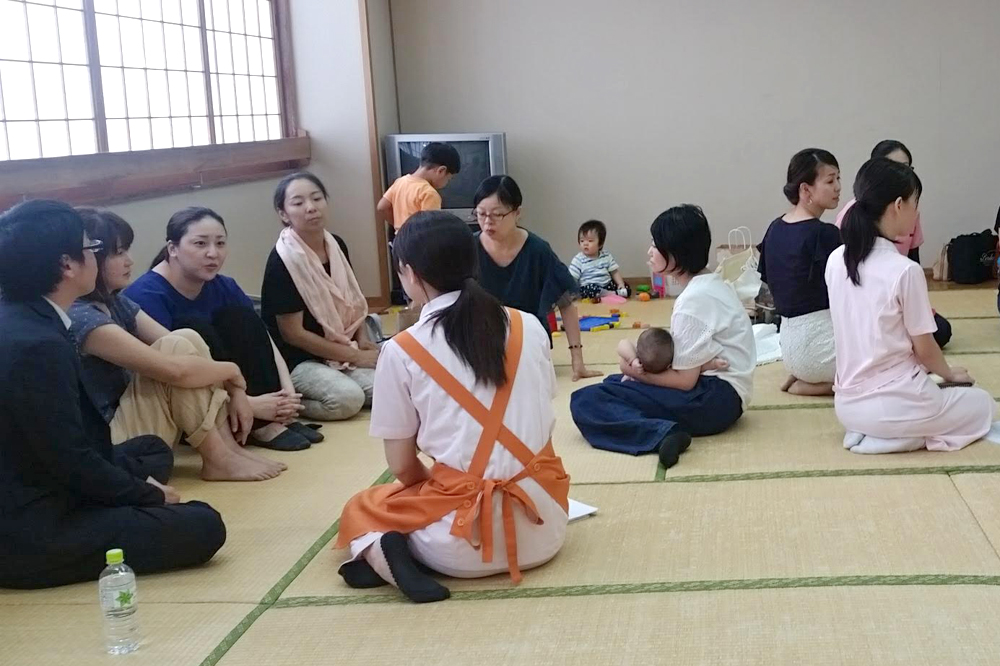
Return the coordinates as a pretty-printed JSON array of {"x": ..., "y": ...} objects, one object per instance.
[
  {"x": 276, "y": 590},
  {"x": 814, "y": 473},
  {"x": 657, "y": 588}
]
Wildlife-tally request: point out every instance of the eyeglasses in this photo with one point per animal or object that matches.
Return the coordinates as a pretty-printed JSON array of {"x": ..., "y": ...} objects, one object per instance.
[
  {"x": 94, "y": 246},
  {"x": 482, "y": 217}
]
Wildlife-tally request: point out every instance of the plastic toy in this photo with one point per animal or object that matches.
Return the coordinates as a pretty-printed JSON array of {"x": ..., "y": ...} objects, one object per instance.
[
  {"x": 599, "y": 323},
  {"x": 644, "y": 296}
]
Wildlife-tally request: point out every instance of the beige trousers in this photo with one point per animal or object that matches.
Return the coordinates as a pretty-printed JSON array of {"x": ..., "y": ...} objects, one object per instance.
[{"x": 150, "y": 407}]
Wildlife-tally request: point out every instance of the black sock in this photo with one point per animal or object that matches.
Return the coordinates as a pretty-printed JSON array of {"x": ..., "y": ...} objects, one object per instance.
[
  {"x": 417, "y": 586},
  {"x": 673, "y": 445},
  {"x": 360, "y": 575}
]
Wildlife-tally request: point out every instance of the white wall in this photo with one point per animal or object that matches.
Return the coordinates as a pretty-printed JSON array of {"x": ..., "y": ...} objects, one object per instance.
[
  {"x": 246, "y": 208},
  {"x": 329, "y": 73},
  {"x": 326, "y": 36},
  {"x": 383, "y": 71},
  {"x": 620, "y": 110}
]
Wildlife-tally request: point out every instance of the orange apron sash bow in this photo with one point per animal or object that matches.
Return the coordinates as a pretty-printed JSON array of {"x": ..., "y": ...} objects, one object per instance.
[{"x": 392, "y": 507}]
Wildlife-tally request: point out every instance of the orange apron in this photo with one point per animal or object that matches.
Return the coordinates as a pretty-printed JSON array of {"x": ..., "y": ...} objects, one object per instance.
[{"x": 393, "y": 507}]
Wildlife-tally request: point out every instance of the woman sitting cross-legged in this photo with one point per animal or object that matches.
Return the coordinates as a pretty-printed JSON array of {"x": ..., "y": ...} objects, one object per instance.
[
  {"x": 314, "y": 307},
  {"x": 884, "y": 327},
  {"x": 661, "y": 411},
  {"x": 470, "y": 385},
  {"x": 145, "y": 380}
]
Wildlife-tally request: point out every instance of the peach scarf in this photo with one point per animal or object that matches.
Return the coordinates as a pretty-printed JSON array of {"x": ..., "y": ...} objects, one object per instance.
[{"x": 334, "y": 299}]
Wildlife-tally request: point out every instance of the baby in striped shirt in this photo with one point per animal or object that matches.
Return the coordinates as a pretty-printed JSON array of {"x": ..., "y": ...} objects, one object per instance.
[{"x": 594, "y": 269}]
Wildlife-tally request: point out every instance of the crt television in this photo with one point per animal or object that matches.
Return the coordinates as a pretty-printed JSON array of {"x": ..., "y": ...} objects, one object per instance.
[{"x": 482, "y": 154}]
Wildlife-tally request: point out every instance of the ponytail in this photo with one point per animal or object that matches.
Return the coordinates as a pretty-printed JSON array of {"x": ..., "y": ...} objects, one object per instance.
[
  {"x": 160, "y": 257},
  {"x": 443, "y": 253},
  {"x": 858, "y": 231},
  {"x": 879, "y": 183},
  {"x": 475, "y": 327}
]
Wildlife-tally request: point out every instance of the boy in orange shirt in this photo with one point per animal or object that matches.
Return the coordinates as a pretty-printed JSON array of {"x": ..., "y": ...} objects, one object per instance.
[{"x": 419, "y": 190}]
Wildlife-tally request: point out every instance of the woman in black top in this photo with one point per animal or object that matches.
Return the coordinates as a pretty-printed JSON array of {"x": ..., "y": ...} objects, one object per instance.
[
  {"x": 520, "y": 269},
  {"x": 793, "y": 258},
  {"x": 334, "y": 374}
]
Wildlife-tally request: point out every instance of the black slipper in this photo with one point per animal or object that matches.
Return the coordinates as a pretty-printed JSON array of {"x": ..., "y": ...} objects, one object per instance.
[
  {"x": 673, "y": 445},
  {"x": 308, "y": 431},
  {"x": 360, "y": 575},
  {"x": 286, "y": 441}
]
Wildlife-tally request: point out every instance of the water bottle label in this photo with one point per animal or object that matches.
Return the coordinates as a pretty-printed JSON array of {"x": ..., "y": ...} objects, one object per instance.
[{"x": 119, "y": 598}]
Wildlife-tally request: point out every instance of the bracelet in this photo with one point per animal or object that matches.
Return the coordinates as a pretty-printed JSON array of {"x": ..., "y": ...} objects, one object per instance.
[{"x": 580, "y": 346}]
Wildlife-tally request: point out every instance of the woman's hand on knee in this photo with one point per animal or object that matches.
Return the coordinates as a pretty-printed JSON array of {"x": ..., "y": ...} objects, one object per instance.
[{"x": 960, "y": 376}]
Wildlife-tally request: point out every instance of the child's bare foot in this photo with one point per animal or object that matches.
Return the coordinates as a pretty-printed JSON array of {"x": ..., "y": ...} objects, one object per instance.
[{"x": 788, "y": 383}]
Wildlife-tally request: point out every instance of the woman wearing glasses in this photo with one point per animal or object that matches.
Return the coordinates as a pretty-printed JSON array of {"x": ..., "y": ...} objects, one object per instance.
[{"x": 520, "y": 269}]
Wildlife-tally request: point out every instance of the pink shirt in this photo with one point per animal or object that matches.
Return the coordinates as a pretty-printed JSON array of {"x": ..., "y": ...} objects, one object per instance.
[
  {"x": 904, "y": 243},
  {"x": 874, "y": 322}
]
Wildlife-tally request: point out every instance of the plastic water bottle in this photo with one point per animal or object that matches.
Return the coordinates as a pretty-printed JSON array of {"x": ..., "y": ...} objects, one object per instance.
[{"x": 119, "y": 604}]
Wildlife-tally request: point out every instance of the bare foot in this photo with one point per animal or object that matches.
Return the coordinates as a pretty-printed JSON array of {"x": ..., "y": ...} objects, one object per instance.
[
  {"x": 230, "y": 445},
  {"x": 788, "y": 383},
  {"x": 232, "y": 466},
  {"x": 276, "y": 464},
  {"x": 800, "y": 387}
]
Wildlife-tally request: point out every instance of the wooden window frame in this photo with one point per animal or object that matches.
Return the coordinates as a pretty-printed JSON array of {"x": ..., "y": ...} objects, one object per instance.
[{"x": 103, "y": 178}]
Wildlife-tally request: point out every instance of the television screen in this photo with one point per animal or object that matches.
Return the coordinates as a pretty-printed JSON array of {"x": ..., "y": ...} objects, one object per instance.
[{"x": 475, "y": 157}]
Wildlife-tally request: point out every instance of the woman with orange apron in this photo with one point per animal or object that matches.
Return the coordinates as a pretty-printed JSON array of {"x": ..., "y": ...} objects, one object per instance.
[{"x": 470, "y": 385}]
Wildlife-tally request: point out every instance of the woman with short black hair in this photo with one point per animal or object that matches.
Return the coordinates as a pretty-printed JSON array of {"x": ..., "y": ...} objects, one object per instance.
[{"x": 661, "y": 411}]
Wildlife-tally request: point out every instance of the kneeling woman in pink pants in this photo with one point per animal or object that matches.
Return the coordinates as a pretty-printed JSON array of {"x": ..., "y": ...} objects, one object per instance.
[{"x": 883, "y": 329}]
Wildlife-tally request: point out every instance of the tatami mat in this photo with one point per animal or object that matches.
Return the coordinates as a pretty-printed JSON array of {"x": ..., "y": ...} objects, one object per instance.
[
  {"x": 805, "y": 441},
  {"x": 769, "y": 544},
  {"x": 966, "y": 302},
  {"x": 981, "y": 493},
  {"x": 974, "y": 336},
  {"x": 269, "y": 524},
  {"x": 181, "y": 634},
  {"x": 763, "y": 441},
  {"x": 785, "y": 528},
  {"x": 851, "y": 626}
]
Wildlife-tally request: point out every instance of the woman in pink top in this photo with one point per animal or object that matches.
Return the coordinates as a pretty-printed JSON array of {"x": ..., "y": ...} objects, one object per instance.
[
  {"x": 883, "y": 330},
  {"x": 907, "y": 244}
]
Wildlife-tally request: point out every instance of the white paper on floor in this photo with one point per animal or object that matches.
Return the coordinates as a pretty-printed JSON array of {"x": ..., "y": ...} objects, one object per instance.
[
  {"x": 993, "y": 435},
  {"x": 768, "y": 347},
  {"x": 580, "y": 510}
]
